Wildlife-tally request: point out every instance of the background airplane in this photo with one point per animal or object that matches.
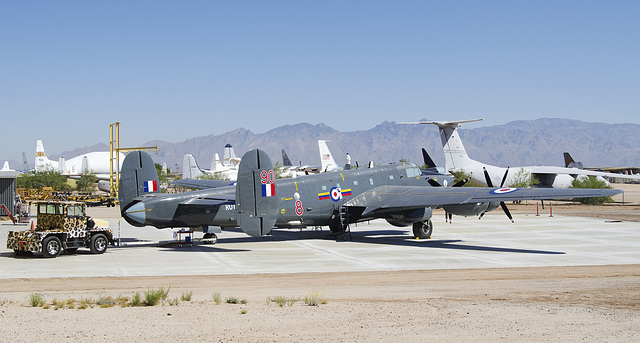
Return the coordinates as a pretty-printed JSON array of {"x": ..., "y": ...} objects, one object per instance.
[
  {"x": 258, "y": 202},
  {"x": 456, "y": 159},
  {"x": 94, "y": 162},
  {"x": 226, "y": 168},
  {"x": 569, "y": 162}
]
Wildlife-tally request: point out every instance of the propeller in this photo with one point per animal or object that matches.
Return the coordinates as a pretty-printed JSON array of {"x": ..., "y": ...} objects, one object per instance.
[
  {"x": 490, "y": 184},
  {"x": 461, "y": 182},
  {"x": 434, "y": 183}
]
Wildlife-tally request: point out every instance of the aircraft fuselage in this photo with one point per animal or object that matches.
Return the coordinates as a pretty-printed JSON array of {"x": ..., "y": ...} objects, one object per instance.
[{"x": 304, "y": 201}]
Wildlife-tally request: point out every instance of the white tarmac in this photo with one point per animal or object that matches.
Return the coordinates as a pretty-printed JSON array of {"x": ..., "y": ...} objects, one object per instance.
[{"x": 492, "y": 242}]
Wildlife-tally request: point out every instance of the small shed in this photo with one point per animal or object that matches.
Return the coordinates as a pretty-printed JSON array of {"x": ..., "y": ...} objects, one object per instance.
[{"x": 8, "y": 190}]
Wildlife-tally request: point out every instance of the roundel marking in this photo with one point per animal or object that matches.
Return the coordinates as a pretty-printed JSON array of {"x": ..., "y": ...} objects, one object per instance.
[
  {"x": 336, "y": 194},
  {"x": 503, "y": 190}
]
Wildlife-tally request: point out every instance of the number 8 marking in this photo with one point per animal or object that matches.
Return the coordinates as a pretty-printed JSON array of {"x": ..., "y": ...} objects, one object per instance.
[{"x": 299, "y": 209}]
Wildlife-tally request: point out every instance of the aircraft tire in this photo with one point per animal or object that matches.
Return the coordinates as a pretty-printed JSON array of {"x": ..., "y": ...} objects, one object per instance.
[
  {"x": 211, "y": 238},
  {"x": 423, "y": 230},
  {"x": 51, "y": 247},
  {"x": 98, "y": 243}
]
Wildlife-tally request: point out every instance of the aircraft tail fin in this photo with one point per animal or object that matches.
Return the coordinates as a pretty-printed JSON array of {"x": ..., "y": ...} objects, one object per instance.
[
  {"x": 190, "y": 169},
  {"x": 286, "y": 162},
  {"x": 326, "y": 158},
  {"x": 138, "y": 177},
  {"x": 569, "y": 162},
  {"x": 230, "y": 158},
  {"x": 42, "y": 162},
  {"x": 62, "y": 165},
  {"x": 256, "y": 198},
  {"x": 216, "y": 164},
  {"x": 428, "y": 162},
  {"x": 455, "y": 155}
]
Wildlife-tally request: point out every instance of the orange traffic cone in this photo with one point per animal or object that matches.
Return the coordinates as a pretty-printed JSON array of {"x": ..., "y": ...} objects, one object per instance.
[{"x": 32, "y": 227}]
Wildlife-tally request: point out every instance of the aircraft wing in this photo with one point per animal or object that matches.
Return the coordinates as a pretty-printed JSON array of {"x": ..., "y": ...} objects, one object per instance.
[
  {"x": 203, "y": 184},
  {"x": 575, "y": 171},
  {"x": 388, "y": 198}
]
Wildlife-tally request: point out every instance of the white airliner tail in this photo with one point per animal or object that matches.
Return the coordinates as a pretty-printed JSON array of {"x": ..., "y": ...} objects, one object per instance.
[
  {"x": 190, "y": 169},
  {"x": 455, "y": 155},
  {"x": 326, "y": 158},
  {"x": 216, "y": 164},
  {"x": 42, "y": 162}
]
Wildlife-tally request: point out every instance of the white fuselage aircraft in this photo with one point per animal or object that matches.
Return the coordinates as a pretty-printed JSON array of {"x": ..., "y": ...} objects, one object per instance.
[
  {"x": 456, "y": 159},
  {"x": 93, "y": 162}
]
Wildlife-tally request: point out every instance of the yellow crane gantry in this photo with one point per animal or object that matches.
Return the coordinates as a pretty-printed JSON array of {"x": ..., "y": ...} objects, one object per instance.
[{"x": 115, "y": 149}]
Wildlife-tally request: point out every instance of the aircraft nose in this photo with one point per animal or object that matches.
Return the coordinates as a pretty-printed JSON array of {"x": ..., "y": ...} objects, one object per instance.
[{"x": 136, "y": 213}]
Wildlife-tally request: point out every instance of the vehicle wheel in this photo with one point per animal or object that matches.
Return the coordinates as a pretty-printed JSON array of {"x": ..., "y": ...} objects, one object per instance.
[
  {"x": 71, "y": 250},
  {"x": 51, "y": 247},
  {"x": 98, "y": 244},
  {"x": 422, "y": 229}
]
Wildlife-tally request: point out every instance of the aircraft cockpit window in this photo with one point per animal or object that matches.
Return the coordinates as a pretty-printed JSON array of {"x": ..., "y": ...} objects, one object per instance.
[
  {"x": 371, "y": 182},
  {"x": 413, "y": 172},
  {"x": 324, "y": 188},
  {"x": 355, "y": 182},
  {"x": 390, "y": 177}
]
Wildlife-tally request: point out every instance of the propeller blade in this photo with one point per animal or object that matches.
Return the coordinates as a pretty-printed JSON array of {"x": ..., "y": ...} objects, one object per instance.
[
  {"x": 434, "y": 183},
  {"x": 486, "y": 177},
  {"x": 481, "y": 215},
  {"x": 460, "y": 183},
  {"x": 504, "y": 178},
  {"x": 506, "y": 210}
]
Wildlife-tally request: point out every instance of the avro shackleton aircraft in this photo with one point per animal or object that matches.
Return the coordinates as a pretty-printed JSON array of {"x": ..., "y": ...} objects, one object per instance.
[
  {"x": 456, "y": 158},
  {"x": 258, "y": 202}
]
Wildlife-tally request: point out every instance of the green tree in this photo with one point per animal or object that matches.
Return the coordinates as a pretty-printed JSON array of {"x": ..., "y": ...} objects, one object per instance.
[
  {"x": 87, "y": 182},
  {"x": 459, "y": 175},
  {"x": 214, "y": 176},
  {"x": 280, "y": 171},
  {"x": 162, "y": 175},
  {"x": 591, "y": 182},
  {"x": 43, "y": 178},
  {"x": 523, "y": 179}
]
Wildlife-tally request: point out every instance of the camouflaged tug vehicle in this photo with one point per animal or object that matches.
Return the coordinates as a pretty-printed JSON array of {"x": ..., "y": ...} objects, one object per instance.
[{"x": 62, "y": 225}]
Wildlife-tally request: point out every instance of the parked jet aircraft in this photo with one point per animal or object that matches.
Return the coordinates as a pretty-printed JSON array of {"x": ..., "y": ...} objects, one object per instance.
[
  {"x": 456, "y": 158},
  {"x": 226, "y": 168},
  {"x": 95, "y": 162},
  {"x": 569, "y": 162},
  {"x": 258, "y": 202}
]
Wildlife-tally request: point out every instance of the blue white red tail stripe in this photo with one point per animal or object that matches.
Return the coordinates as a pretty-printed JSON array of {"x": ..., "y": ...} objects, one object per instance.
[
  {"x": 151, "y": 186},
  {"x": 269, "y": 190}
]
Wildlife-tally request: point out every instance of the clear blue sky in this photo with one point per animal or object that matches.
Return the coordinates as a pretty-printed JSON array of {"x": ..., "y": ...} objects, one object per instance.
[{"x": 173, "y": 70}]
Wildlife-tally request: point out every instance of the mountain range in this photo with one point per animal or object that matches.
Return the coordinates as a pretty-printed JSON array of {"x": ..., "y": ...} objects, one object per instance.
[{"x": 517, "y": 143}]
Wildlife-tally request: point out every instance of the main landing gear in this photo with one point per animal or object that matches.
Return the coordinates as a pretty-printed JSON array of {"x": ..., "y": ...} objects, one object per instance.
[
  {"x": 211, "y": 238},
  {"x": 422, "y": 230}
]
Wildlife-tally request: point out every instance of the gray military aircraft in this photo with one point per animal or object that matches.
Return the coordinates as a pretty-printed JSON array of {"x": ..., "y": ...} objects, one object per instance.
[{"x": 258, "y": 202}]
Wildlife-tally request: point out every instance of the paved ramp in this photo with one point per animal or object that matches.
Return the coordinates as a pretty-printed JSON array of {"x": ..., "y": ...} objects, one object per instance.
[{"x": 492, "y": 242}]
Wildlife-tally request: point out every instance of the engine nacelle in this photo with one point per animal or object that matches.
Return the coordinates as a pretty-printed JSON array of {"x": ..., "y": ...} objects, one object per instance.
[
  {"x": 471, "y": 209},
  {"x": 408, "y": 218}
]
